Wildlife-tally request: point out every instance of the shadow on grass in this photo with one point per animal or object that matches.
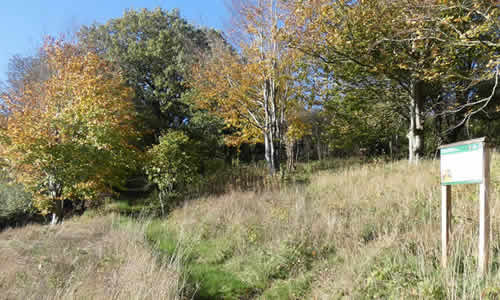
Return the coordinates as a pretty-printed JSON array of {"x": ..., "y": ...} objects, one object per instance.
[{"x": 21, "y": 220}]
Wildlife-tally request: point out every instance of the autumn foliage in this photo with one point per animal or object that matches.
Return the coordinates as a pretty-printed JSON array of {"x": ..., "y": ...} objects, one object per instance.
[
  {"x": 302, "y": 79},
  {"x": 252, "y": 89},
  {"x": 69, "y": 137}
]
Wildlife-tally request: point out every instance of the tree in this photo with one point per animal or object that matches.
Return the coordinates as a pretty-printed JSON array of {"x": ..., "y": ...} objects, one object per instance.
[
  {"x": 155, "y": 50},
  {"x": 306, "y": 95},
  {"x": 473, "y": 60},
  {"x": 359, "y": 122},
  {"x": 413, "y": 44},
  {"x": 22, "y": 70},
  {"x": 173, "y": 164},
  {"x": 251, "y": 88},
  {"x": 69, "y": 137}
]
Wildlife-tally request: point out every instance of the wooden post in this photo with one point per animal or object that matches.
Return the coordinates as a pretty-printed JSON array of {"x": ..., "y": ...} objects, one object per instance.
[
  {"x": 484, "y": 216},
  {"x": 445, "y": 223}
]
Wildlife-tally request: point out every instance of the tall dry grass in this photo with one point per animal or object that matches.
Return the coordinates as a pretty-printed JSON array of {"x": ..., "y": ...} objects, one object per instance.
[
  {"x": 84, "y": 258},
  {"x": 362, "y": 231},
  {"x": 369, "y": 231}
]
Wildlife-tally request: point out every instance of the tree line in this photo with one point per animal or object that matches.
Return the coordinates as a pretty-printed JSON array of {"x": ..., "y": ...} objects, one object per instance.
[{"x": 149, "y": 95}]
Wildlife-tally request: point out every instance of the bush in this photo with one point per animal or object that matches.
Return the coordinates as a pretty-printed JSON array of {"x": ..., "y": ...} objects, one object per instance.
[
  {"x": 15, "y": 204},
  {"x": 173, "y": 165}
]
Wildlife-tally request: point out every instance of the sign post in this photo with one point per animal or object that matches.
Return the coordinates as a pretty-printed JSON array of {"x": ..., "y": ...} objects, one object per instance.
[
  {"x": 445, "y": 222},
  {"x": 484, "y": 216},
  {"x": 466, "y": 162}
]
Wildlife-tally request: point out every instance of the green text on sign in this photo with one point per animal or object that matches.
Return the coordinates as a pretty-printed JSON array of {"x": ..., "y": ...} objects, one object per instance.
[{"x": 462, "y": 148}]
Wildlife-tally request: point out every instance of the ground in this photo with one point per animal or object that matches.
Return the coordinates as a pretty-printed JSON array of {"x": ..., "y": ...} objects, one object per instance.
[{"x": 344, "y": 231}]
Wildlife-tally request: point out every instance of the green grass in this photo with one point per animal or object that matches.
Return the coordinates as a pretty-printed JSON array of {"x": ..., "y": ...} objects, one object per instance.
[
  {"x": 163, "y": 239},
  {"x": 295, "y": 288},
  {"x": 213, "y": 282},
  {"x": 201, "y": 264},
  {"x": 344, "y": 230},
  {"x": 215, "y": 270}
]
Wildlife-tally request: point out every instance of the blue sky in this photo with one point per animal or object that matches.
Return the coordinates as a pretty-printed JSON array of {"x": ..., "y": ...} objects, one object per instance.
[{"x": 23, "y": 23}]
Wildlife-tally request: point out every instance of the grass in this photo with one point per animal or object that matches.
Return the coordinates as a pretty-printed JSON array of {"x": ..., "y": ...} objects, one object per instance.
[
  {"x": 343, "y": 231},
  {"x": 360, "y": 231},
  {"x": 85, "y": 258}
]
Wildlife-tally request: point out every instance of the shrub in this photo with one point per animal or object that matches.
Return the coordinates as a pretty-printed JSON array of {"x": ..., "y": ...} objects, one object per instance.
[
  {"x": 15, "y": 203},
  {"x": 173, "y": 164}
]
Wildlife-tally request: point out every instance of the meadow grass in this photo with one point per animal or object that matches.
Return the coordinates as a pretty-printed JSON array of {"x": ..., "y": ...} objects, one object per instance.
[
  {"x": 343, "y": 230},
  {"x": 362, "y": 231},
  {"x": 85, "y": 258}
]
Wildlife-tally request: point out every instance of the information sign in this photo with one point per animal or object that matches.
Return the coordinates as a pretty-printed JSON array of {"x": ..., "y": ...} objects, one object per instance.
[{"x": 462, "y": 164}]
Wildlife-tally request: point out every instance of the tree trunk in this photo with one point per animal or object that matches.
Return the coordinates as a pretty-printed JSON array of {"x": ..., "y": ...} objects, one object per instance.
[
  {"x": 272, "y": 153},
  {"x": 290, "y": 156},
  {"x": 390, "y": 148},
  {"x": 269, "y": 152},
  {"x": 317, "y": 137},
  {"x": 416, "y": 130},
  {"x": 297, "y": 150},
  {"x": 55, "y": 191},
  {"x": 58, "y": 214},
  {"x": 307, "y": 148},
  {"x": 318, "y": 148},
  {"x": 272, "y": 128}
]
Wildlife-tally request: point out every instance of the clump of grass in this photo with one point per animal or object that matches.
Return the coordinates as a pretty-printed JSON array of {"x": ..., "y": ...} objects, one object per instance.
[
  {"x": 241, "y": 177},
  {"x": 85, "y": 258}
]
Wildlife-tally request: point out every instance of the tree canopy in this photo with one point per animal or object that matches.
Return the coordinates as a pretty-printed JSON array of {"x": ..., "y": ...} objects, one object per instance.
[
  {"x": 71, "y": 136},
  {"x": 155, "y": 50},
  {"x": 252, "y": 89},
  {"x": 290, "y": 80},
  {"x": 415, "y": 45}
]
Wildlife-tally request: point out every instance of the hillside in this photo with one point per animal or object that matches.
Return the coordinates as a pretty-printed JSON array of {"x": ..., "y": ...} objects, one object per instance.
[{"x": 359, "y": 231}]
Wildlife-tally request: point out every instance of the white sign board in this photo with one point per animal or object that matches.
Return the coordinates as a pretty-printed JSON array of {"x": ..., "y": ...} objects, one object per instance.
[
  {"x": 462, "y": 163},
  {"x": 466, "y": 162}
]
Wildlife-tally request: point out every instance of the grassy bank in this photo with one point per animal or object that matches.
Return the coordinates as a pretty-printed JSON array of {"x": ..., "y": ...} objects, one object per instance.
[
  {"x": 349, "y": 231},
  {"x": 361, "y": 232}
]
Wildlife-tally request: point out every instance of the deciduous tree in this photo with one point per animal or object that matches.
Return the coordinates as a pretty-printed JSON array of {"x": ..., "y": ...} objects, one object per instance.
[
  {"x": 173, "y": 164},
  {"x": 69, "y": 137},
  {"x": 412, "y": 44},
  {"x": 250, "y": 85},
  {"x": 155, "y": 49}
]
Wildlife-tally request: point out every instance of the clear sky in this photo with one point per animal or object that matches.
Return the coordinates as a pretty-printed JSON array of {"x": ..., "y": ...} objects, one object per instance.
[{"x": 24, "y": 23}]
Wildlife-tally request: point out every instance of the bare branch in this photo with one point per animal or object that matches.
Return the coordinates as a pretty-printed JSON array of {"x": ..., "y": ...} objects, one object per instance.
[{"x": 484, "y": 103}]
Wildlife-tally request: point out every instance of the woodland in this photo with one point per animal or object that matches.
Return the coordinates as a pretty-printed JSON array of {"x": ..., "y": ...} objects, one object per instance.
[{"x": 146, "y": 114}]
